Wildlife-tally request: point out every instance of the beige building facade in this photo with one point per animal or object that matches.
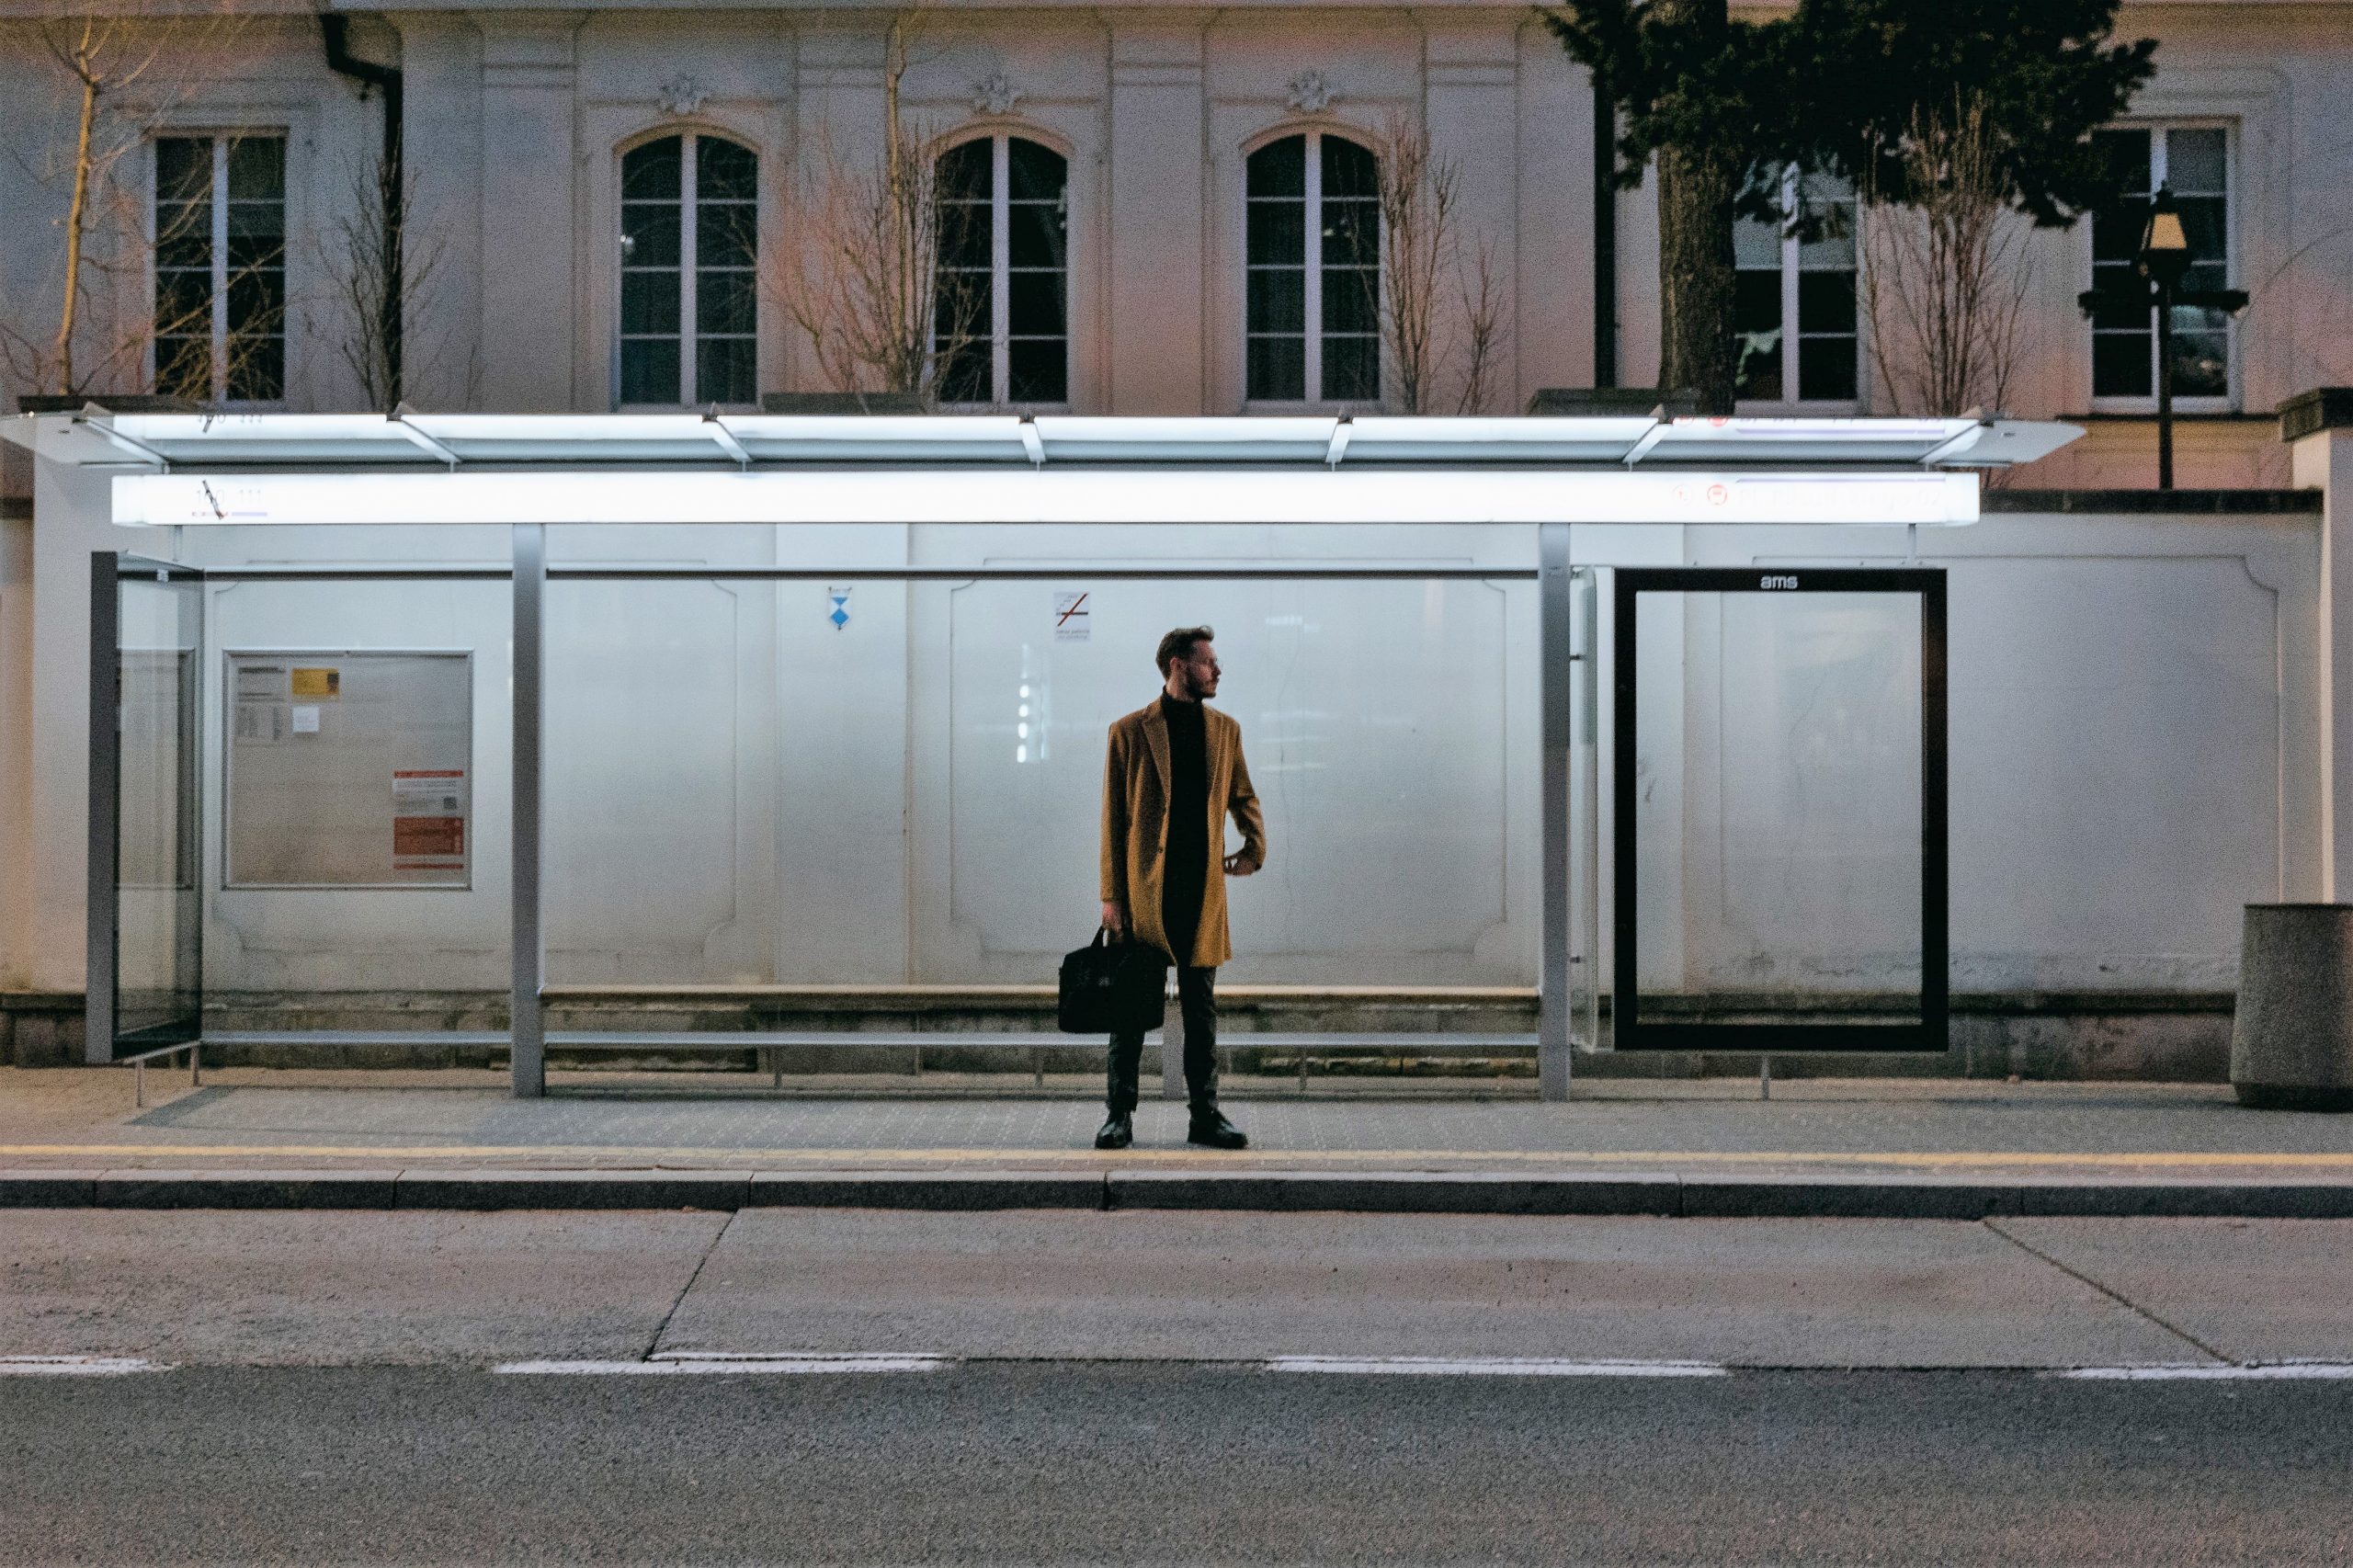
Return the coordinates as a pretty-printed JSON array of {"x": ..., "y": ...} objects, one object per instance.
[{"x": 1176, "y": 144}]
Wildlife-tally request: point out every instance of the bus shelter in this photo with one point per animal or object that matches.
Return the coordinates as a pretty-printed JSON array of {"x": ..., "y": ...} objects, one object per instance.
[{"x": 1428, "y": 610}]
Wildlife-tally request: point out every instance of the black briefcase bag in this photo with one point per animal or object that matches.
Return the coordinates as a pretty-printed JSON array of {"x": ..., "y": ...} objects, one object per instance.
[{"x": 1111, "y": 987}]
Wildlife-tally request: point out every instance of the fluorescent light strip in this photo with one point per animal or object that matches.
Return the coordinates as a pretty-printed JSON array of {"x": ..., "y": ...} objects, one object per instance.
[
  {"x": 2208, "y": 1372},
  {"x": 76, "y": 1366},
  {"x": 1493, "y": 1366},
  {"x": 1094, "y": 496},
  {"x": 793, "y": 1362}
]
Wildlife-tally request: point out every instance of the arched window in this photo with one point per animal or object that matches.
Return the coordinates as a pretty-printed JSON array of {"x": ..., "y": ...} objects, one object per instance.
[
  {"x": 1313, "y": 250},
  {"x": 1001, "y": 314},
  {"x": 690, "y": 290}
]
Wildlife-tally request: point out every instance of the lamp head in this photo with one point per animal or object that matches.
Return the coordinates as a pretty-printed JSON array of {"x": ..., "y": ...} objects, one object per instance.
[{"x": 2164, "y": 244}]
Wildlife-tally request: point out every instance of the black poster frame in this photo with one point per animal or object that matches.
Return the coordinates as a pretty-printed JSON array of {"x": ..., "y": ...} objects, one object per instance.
[{"x": 1932, "y": 1032}]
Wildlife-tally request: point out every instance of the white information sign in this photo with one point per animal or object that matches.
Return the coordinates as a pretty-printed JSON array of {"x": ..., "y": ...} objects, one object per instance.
[{"x": 1073, "y": 615}]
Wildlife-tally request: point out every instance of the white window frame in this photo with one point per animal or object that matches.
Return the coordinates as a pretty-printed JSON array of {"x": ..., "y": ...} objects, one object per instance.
[
  {"x": 1001, "y": 273},
  {"x": 2228, "y": 402},
  {"x": 689, "y": 139},
  {"x": 1791, "y": 247},
  {"x": 217, "y": 354},
  {"x": 1312, "y": 320}
]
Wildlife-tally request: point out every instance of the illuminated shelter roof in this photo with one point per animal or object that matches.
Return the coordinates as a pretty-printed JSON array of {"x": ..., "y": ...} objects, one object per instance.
[{"x": 478, "y": 468}]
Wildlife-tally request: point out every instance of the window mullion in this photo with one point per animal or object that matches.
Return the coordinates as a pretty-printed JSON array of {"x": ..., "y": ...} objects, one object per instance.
[
  {"x": 1791, "y": 390},
  {"x": 220, "y": 238},
  {"x": 2157, "y": 175},
  {"x": 1001, "y": 268},
  {"x": 687, "y": 388},
  {"x": 1311, "y": 326}
]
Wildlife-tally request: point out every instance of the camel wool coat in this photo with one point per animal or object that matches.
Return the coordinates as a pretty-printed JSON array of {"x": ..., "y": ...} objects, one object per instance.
[{"x": 1135, "y": 825}]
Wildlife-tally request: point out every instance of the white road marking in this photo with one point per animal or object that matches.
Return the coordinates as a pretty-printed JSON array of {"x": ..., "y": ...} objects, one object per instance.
[
  {"x": 677, "y": 1364},
  {"x": 1495, "y": 1366},
  {"x": 2206, "y": 1372},
  {"x": 76, "y": 1366}
]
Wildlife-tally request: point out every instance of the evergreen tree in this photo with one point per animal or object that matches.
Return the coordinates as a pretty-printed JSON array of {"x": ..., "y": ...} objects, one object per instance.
[{"x": 1837, "y": 87}]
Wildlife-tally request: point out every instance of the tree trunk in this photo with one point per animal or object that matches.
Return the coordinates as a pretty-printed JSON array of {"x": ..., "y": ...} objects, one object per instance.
[
  {"x": 1696, "y": 185},
  {"x": 77, "y": 221}
]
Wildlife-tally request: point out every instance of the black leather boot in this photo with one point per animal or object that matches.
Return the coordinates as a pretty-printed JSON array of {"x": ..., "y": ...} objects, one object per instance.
[
  {"x": 1118, "y": 1130},
  {"x": 1210, "y": 1127}
]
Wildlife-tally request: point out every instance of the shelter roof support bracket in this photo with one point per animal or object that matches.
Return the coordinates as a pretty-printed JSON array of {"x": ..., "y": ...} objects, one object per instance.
[
  {"x": 726, "y": 438},
  {"x": 93, "y": 415},
  {"x": 403, "y": 419}
]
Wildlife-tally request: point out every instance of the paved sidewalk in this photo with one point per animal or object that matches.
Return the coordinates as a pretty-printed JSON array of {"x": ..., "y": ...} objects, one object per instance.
[{"x": 1818, "y": 1145}]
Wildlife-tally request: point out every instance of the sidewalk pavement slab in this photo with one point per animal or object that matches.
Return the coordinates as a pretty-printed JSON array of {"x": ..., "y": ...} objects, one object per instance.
[
  {"x": 322, "y": 1288},
  {"x": 1239, "y": 1286},
  {"x": 2253, "y": 1289},
  {"x": 1822, "y": 1147}
]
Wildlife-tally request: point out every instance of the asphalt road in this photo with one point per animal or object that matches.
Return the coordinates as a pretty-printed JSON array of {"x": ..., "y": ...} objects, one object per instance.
[
  {"x": 1876, "y": 1391},
  {"x": 1072, "y": 1463}
]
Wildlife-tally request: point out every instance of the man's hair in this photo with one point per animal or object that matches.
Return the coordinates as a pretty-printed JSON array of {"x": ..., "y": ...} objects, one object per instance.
[{"x": 1178, "y": 644}]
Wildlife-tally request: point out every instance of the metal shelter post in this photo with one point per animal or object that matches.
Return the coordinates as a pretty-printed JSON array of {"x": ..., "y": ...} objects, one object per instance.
[
  {"x": 105, "y": 804},
  {"x": 527, "y": 1028},
  {"x": 1554, "y": 607}
]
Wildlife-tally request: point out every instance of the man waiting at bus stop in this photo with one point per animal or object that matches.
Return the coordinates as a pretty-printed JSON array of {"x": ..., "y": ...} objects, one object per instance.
[{"x": 1173, "y": 774}]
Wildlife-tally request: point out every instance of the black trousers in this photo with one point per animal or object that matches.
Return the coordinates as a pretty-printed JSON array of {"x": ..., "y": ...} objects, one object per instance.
[{"x": 1196, "y": 1004}]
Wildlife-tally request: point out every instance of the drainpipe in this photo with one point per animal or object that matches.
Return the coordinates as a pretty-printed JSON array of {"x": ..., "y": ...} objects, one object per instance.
[
  {"x": 1604, "y": 236},
  {"x": 335, "y": 32}
]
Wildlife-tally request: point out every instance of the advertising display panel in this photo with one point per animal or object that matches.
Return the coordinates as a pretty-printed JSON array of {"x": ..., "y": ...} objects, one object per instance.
[{"x": 1780, "y": 809}]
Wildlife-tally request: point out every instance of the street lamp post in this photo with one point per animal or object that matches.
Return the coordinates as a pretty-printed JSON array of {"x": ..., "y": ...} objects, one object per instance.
[{"x": 2161, "y": 263}]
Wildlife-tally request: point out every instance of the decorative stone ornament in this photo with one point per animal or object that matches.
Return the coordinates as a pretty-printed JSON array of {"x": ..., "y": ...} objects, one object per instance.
[
  {"x": 995, "y": 95},
  {"x": 683, "y": 94},
  {"x": 1310, "y": 93}
]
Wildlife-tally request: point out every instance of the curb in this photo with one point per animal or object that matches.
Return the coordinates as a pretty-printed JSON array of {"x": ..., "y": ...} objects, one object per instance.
[{"x": 1652, "y": 1195}]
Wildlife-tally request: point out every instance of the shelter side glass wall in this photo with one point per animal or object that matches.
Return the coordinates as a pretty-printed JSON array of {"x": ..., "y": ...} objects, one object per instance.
[{"x": 158, "y": 897}]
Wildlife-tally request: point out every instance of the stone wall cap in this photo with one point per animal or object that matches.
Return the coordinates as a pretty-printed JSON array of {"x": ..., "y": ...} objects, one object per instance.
[{"x": 2310, "y": 412}]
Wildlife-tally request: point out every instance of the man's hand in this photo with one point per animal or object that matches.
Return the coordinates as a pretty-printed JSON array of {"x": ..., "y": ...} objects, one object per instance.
[
  {"x": 1235, "y": 866},
  {"x": 1114, "y": 921}
]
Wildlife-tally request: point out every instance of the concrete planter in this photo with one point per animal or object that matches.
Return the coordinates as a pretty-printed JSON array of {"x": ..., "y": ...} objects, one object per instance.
[{"x": 2291, "y": 1041}]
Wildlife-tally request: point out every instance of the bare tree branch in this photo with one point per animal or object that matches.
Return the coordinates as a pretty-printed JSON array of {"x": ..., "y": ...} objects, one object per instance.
[
  {"x": 1442, "y": 307},
  {"x": 1945, "y": 275},
  {"x": 867, "y": 237},
  {"x": 118, "y": 74},
  {"x": 380, "y": 273}
]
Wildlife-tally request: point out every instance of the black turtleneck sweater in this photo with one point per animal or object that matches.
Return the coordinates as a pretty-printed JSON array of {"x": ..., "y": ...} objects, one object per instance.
[{"x": 1186, "y": 870}]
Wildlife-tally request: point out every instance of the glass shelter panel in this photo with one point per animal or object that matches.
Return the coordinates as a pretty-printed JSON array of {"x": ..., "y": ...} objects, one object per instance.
[
  {"x": 1780, "y": 861},
  {"x": 159, "y": 915},
  {"x": 665, "y": 754},
  {"x": 875, "y": 780},
  {"x": 1380, "y": 734}
]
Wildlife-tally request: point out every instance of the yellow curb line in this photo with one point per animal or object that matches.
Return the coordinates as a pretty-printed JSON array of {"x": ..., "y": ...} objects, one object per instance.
[{"x": 1910, "y": 1159}]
